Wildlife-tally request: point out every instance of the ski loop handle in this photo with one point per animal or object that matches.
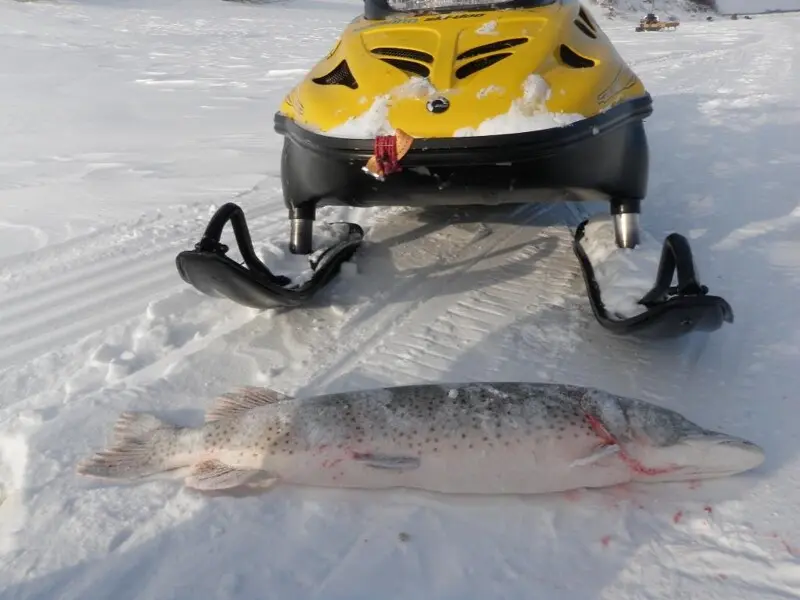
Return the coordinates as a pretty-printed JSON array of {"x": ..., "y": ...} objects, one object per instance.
[
  {"x": 210, "y": 242},
  {"x": 676, "y": 256}
]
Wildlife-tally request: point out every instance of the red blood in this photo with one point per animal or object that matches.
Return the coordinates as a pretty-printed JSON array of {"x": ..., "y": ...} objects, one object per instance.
[
  {"x": 708, "y": 509},
  {"x": 605, "y": 540},
  {"x": 677, "y": 516},
  {"x": 632, "y": 463}
]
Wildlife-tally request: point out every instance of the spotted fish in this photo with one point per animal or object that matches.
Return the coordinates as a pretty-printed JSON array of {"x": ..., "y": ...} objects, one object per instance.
[{"x": 476, "y": 438}]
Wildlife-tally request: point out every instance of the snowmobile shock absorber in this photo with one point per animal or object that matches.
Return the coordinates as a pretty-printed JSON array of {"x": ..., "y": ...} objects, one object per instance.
[{"x": 626, "y": 222}]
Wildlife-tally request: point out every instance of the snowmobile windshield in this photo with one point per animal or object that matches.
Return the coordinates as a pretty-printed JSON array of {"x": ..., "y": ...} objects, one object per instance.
[{"x": 427, "y": 6}]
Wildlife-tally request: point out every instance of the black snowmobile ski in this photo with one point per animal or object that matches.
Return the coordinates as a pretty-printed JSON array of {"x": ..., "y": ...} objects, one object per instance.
[
  {"x": 671, "y": 310},
  {"x": 208, "y": 269}
]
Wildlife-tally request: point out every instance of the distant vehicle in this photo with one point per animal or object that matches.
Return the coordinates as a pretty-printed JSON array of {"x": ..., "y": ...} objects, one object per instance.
[{"x": 651, "y": 22}]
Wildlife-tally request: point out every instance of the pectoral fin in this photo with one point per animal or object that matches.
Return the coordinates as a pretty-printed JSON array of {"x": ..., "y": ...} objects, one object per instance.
[
  {"x": 215, "y": 475},
  {"x": 388, "y": 461},
  {"x": 597, "y": 455}
]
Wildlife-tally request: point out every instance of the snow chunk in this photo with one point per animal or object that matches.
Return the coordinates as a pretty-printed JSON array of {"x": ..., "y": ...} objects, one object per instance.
[
  {"x": 624, "y": 275},
  {"x": 528, "y": 113},
  {"x": 488, "y": 28},
  {"x": 297, "y": 267},
  {"x": 375, "y": 121},
  {"x": 491, "y": 89}
]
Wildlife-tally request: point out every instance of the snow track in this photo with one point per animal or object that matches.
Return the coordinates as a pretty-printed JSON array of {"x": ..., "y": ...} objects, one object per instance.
[{"x": 94, "y": 320}]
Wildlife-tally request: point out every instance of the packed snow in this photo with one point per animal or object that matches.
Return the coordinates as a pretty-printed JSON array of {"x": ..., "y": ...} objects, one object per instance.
[
  {"x": 125, "y": 124},
  {"x": 527, "y": 113},
  {"x": 624, "y": 275}
]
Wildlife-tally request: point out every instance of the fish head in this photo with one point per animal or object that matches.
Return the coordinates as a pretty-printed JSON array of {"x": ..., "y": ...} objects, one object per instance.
[{"x": 659, "y": 444}]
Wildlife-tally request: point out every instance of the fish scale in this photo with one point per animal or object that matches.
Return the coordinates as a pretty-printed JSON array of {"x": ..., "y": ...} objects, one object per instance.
[{"x": 475, "y": 438}]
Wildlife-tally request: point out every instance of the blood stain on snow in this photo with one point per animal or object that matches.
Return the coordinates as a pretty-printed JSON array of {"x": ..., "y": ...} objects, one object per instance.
[
  {"x": 708, "y": 509},
  {"x": 677, "y": 516},
  {"x": 605, "y": 540}
]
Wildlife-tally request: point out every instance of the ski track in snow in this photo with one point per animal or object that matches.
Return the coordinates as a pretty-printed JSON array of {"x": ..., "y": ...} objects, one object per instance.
[{"x": 96, "y": 320}]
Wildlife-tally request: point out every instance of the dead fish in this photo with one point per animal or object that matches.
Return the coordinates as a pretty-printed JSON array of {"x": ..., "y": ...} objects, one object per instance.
[{"x": 472, "y": 438}]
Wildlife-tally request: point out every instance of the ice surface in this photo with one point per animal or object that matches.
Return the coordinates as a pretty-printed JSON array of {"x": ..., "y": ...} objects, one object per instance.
[{"x": 125, "y": 124}]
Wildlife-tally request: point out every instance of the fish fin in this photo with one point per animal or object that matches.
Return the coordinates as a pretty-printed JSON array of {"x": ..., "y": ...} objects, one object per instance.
[
  {"x": 388, "y": 461},
  {"x": 132, "y": 453},
  {"x": 597, "y": 455},
  {"x": 241, "y": 400},
  {"x": 131, "y": 425},
  {"x": 213, "y": 474}
]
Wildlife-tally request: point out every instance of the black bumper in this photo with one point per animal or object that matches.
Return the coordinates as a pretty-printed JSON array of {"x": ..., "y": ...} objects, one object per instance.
[{"x": 607, "y": 153}]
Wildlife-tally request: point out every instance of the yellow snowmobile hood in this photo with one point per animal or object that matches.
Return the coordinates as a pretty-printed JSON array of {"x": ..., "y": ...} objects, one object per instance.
[{"x": 463, "y": 73}]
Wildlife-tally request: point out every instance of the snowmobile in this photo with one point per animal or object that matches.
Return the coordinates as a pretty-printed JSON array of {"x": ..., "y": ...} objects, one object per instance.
[
  {"x": 651, "y": 22},
  {"x": 458, "y": 102}
]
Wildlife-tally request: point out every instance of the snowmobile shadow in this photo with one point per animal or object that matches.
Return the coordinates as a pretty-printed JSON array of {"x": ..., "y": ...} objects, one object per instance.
[{"x": 417, "y": 254}]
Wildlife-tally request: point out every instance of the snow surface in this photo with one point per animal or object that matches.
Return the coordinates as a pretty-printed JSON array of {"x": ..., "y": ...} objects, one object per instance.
[
  {"x": 744, "y": 7},
  {"x": 125, "y": 124}
]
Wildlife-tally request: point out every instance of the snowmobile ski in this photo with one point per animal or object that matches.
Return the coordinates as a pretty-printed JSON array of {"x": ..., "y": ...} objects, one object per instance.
[
  {"x": 208, "y": 268},
  {"x": 669, "y": 310}
]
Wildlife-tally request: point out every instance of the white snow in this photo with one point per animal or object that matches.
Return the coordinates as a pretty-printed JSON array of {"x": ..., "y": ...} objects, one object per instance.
[
  {"x": 488, "y": 28},
  {"x": 624, "y": 275},
  {"x": 125, "y": 124},
  {"x": 744, "y": 7},
  {"x": 527, "y": 113}
]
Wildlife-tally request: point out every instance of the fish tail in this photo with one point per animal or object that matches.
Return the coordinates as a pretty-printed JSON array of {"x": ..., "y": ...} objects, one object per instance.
[{"x": 143, "y": 445}]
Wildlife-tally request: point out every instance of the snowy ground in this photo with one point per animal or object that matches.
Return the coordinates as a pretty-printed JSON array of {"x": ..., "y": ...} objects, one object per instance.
[{"x": 124, "y": 124}]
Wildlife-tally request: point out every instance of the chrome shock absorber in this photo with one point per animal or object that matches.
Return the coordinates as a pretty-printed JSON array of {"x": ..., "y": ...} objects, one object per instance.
[{"x": 626, "y": 222}]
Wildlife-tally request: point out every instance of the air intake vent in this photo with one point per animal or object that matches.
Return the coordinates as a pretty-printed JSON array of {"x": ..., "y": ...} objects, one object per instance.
[
  {"x": 409, "y": 66},
  {"x": 341, "y": 75},
  {"x": 404, "y": 53},
  {"x": 584, "y": 23},
  {"x": 479, "y": 64},
  {"x": 572, "y": 59},
  {"x": 493, "y": 47}
]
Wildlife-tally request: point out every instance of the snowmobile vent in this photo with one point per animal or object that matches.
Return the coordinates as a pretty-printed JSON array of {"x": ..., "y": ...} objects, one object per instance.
[
  {"x": 404, "y": 53},
  {"x": 340, "y": 75},
  {"x": 493, "y": 47},
  {"x": 572, "y": 59},
  {"x": 406, "y": 59},
  {"x": 479, "y": 64},
  {"x": 584, "y": 23}
]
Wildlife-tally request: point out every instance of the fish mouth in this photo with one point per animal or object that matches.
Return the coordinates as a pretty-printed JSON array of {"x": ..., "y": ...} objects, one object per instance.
[{"x": 720, "y": 455}]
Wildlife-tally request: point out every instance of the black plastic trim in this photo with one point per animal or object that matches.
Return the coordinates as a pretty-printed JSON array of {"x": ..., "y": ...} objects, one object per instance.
[
  {"x": 479, "y": 64},
  {"x": 493, "y": 47},
  {"x": 469, "y": 150},
  {"x": 211, "y": 272},
  {"x": 607, "y": 153},
  {"x": 671, "y": 311},
  {"x": 408, "y": 66},
  {"x": 404, "y": 53}
]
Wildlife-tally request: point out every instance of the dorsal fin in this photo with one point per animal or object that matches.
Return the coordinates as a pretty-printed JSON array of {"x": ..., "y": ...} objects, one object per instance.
[{"x": 240, "y": 400}]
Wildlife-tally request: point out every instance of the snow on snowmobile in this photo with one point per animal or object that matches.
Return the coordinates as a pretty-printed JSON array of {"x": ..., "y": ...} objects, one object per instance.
[{"x": 460, "y": 102}]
